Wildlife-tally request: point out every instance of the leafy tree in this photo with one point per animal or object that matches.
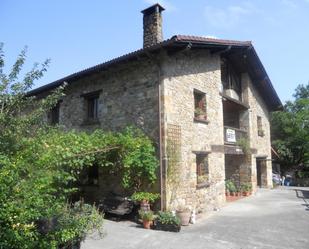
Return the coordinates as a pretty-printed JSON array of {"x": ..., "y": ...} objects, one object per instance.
[
  {"x": 290, "y": 131},
  {"x": 18, "y": 117},
  {"x": 40, "y": 166}
]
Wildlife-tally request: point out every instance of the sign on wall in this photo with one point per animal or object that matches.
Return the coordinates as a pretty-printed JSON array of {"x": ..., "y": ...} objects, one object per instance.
[{"x": 230, "y": 136}]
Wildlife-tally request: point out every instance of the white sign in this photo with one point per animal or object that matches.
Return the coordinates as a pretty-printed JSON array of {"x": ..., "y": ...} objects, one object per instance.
[{"x": 230, "y": 136}]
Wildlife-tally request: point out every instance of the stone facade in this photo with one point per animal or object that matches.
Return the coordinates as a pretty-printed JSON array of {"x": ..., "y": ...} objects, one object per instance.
[
  {"x": 184, "y": 73},
  {"x": 262, "y": 143},
  {"x": 128, "y": 96},
  {"x": 153, "y": 93}
]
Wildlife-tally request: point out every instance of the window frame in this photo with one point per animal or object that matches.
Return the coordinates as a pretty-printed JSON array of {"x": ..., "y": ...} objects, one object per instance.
[
  {"x": 202, "y": 157},
  {"x": 92, "y": 106},
  {"x": 200, "y": 106},
  {"x": 260, "y": 129}
]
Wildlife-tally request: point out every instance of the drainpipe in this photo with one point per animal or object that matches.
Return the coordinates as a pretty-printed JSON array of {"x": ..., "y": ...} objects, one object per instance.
[
  {"x": 163, "y": 159},
  {"x": 162, "y": 149}
]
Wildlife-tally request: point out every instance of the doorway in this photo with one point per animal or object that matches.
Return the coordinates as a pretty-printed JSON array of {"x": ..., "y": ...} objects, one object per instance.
[{"x": 261, "y": 174}]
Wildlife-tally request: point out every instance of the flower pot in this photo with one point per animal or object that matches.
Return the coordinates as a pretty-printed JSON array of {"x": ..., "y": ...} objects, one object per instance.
[
  {"x": 147, "y": 224},
  {"x": 245, "y": 193},
  {"x": 167, "y": 227},
  {"x": 144, "y": 205},
  {"x": 184, "y": 217},
  {"x": 232, "y": 194},
  {"x": 227, "y": 193}
]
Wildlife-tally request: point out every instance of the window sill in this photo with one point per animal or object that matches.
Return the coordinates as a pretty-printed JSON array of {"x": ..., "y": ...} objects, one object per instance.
[
  {"x": 202, "y": 185},
  {"x": 91, "y": 122},
  {"x": 198, "y": 120}
]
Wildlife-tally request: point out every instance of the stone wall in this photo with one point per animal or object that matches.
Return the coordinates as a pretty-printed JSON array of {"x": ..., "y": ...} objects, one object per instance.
[
  {"x": 128, "y": 97},
  {"x": 262, "y": 144},
  {"x": 183, "y": 73}
]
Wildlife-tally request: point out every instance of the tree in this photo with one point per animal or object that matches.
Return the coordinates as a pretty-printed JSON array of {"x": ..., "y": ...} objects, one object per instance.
[
  {"x": 290, "y": 131},
  {"x": 40, "y": 166},
  {"x": 29, "y": 189},
  {"x": 21, "y": 115}
]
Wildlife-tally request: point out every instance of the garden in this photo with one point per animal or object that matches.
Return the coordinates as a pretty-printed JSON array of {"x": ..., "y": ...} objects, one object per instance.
[{"x": 40, "y": 166}]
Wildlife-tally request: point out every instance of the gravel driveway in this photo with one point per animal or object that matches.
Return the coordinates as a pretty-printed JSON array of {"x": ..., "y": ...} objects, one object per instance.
[{"x": 277, "y": 218}]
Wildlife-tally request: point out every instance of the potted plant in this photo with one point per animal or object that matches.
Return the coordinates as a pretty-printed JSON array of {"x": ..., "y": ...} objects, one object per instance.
[
  {"x": 147, "y": 218},
  {"x": 184, "y": 215},
  {"x": 145, "y": 197},
  {"x": 167, "y": 221},
  {"x": 199, "y": 113},
  {"x": 246, "y": 188},
  {"x": 230, "y": 187}
]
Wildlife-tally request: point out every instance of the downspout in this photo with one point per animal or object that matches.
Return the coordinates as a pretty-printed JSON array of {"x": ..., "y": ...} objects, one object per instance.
[
  {"x": 161, "y": 139},
  {"x": 162, "y": 152}
]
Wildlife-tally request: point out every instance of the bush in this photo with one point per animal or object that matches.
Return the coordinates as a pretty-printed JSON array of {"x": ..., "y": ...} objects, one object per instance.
[
  {"x": 168, "y": 218},
  {"x": 230, "y": 186},
  {"x": 146, "y": 215},
  {"x": 145, "y": 196},
  {"x": 166, "y": 221},
  {"x": 37, "y": 181},
  {"x": 246, "y": 187}
]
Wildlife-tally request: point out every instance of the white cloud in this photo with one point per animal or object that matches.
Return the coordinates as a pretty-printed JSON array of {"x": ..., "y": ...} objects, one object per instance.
[
  {"x": 228, "y": 16},
  {"x": 165, "y": 4}
]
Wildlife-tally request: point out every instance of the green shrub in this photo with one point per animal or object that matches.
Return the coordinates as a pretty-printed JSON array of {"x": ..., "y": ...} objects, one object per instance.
[
  {"x": 145, "y": 196},
  {"x": 247, "y": 187},
  {"x": 146, "y": 215},
  {"x": 37, "y": 181},
  {"x": 167, "y": 218},
  {"x": 230, "y": 186}
]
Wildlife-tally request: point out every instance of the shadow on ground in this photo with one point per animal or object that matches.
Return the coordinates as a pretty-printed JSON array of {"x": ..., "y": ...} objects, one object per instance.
[{"x": 303, "y": 194}]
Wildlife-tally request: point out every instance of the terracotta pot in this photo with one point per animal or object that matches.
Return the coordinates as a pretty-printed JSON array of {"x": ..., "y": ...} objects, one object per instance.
[
  {"x": 147, "y": 224},
  {"x": 227, "y": 193},
  {"x": 245, "y": 193},
  {"x": 145, "y": 205},
  {"x": 184, "y": 217},
  {"x": 232, "y": 194}
]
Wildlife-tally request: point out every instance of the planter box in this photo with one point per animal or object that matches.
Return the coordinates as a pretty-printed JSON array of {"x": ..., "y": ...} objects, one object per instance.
[{"x": 167, "y": 227}]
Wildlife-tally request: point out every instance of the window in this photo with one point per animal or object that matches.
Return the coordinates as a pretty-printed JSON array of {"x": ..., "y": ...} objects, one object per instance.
[
  {"x": 54, "y": 115},
  {"x": 92, "y": 106},
  {"x": 202, "y": 168},
  {"x": 200, "y": 105},
  {"x": 260, "y": 126}
]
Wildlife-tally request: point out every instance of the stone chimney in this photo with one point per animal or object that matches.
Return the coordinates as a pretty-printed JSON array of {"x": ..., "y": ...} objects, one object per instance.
[{"x": 152, "y": 25}]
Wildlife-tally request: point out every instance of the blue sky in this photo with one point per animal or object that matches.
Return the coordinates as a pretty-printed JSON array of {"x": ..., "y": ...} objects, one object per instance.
[{"x": 77, "y": 34}]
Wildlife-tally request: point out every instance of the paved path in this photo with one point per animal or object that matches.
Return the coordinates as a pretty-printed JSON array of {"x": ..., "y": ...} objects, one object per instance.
[{"x": 271, "y": 219}]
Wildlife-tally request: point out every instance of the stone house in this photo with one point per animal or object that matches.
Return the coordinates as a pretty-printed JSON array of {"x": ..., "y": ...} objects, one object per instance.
[{"x": 205, "y": 103}]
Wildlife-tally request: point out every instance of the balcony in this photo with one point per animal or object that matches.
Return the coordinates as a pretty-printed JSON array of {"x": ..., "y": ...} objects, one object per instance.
[{"x": 232, "y": 135}]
